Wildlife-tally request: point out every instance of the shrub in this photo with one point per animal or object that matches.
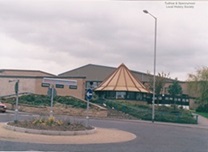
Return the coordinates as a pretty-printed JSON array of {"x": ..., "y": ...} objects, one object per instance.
[
  {"x": 43, "y": 100},
  {"x": 32, "y": 99},
  {"x": 144, "y": 112},
  {"x": 202, "y": 108},
  {"x": 70, "y": 101}
]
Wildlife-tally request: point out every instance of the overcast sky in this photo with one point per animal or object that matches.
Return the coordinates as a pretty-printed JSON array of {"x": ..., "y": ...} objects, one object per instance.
[{"x": 56, "y": 36}]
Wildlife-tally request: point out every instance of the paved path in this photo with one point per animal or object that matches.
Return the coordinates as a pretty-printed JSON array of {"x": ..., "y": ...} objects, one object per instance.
[{"x": 202, "y": 121}]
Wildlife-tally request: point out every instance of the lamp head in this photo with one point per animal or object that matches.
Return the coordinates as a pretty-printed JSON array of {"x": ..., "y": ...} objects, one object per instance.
[{"x": 145, "y": 11}]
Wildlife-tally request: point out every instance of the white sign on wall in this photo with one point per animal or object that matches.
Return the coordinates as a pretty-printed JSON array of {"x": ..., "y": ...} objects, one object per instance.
[{"x": 60, "y": 81}]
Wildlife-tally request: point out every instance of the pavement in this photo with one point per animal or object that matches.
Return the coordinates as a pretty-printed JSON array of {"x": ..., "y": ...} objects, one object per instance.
[{"x": 202, "y": 123}]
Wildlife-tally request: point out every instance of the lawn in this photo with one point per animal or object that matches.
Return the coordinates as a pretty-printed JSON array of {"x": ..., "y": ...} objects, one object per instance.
[{"x": 204, "y": 114}]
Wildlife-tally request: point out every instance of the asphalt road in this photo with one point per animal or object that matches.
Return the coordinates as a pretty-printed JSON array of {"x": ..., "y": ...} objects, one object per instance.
[{"x": 150, "y": 138}]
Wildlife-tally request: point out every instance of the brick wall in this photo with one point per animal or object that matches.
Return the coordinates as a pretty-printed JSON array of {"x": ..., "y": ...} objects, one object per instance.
[{"x": 33, "y": 85}]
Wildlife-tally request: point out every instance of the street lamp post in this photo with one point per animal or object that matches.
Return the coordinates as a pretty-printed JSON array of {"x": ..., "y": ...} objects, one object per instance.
[{"x": 155, "y": 42}]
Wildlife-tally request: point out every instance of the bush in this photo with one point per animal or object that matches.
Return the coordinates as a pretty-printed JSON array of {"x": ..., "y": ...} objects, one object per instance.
[
  {"x": 38, "y": 100},
  {"x": 71, "y": 101},
  {"x": 43, "y": 100},
  {"x": 202, "y": 108},
  {"x": 144, "y": 112}
]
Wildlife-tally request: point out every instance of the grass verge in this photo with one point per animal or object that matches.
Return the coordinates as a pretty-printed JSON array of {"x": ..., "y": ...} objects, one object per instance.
[{"x": 202, "y": 114}]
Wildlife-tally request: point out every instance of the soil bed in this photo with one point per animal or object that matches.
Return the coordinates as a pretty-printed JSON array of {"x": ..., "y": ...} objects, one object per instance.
[{"x": 50, "y": 124}]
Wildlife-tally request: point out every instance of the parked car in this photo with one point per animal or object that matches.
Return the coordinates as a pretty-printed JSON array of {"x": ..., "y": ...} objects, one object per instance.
[{"x": 2, "y": 107}]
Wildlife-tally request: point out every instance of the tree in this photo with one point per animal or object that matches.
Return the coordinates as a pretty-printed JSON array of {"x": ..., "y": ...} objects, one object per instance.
[
  {"x": 160, "y": 81},
  {"x": 175, "y": 89},
  {"x": 198, "y": 85}
]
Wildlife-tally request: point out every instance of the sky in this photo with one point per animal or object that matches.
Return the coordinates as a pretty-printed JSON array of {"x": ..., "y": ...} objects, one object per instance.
[{"x": 56, "y": 36}]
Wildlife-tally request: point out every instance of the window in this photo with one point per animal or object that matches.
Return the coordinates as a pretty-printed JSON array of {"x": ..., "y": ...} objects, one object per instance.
[
  {"x": 59, "y": 86},
  {"x": 72, "y": 87},
  {"x": 45, "y": 85},
  {"x": 120, "y": 95}
]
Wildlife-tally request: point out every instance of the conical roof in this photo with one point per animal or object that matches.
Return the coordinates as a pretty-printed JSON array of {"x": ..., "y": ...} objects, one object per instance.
[{"x": 122, "y": 80}]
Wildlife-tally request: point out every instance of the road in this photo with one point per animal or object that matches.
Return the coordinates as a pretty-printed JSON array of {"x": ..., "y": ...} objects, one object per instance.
[{"x": 150, "y": 138}]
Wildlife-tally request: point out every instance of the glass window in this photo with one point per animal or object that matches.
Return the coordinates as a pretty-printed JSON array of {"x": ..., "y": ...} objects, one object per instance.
[
  {"x": 120, "y": 95},
  {"x": 72, "y": 87},
  {"x": 45, "y": 85},
  {"x": 59, "y": 86}
]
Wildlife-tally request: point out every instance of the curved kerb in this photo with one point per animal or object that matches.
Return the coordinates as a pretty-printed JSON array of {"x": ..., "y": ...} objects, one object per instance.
[{"x": 49, "y": 132}]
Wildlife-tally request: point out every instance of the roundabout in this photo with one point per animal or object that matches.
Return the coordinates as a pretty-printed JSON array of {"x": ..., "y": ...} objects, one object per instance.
[
  {"x": 96, "y": 136},
  {"x": 111, "y": 135},
  {"x": 50, "y": 132}
]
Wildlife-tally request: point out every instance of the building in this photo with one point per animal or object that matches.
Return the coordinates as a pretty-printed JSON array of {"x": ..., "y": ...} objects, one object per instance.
[
  {"x": 121, "y": 84},
  {"x": 87, "y": 76},
  {"x": 96, "y": 74},
  {"x": 30, "y": 81}
]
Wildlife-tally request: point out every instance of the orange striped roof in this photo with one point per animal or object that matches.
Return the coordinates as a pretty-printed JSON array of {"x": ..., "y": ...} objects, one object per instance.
[{"x": 122, "y": 80}]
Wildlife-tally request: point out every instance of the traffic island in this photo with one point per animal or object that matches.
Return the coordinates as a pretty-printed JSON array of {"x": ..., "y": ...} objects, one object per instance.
[
  {"x": 50, "y": 132},
  {"x": 100, "y": 136},
  {"x": 50, "y": 126}
]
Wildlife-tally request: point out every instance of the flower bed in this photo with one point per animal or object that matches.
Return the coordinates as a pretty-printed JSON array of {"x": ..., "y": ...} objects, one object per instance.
[{"x": 50, "y": 123}]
